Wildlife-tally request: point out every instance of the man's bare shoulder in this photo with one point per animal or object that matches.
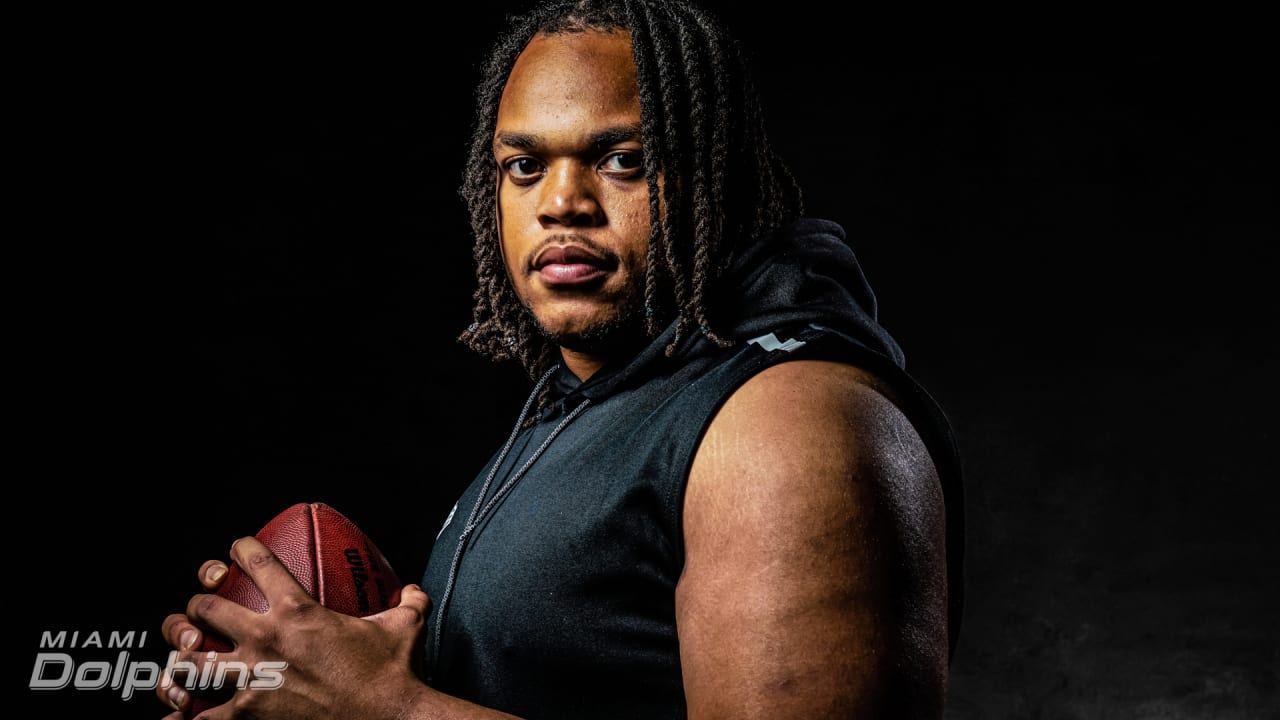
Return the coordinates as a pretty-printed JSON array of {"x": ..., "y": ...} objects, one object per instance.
[
  {"x": 813, "y": 504},
  {"x": 806, "y": 406},
  {"x": 817, "y": 429}
]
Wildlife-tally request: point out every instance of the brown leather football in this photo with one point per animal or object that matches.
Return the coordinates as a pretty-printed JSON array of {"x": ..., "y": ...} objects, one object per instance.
[{"x": 331, "y": 558}]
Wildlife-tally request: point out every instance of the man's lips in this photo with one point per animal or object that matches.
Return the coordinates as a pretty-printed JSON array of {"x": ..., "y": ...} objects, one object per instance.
[{"x": 570, "y": 265}]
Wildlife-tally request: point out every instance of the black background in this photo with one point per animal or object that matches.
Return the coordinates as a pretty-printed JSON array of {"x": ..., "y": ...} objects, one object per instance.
[{"x": 240, "y": 264}]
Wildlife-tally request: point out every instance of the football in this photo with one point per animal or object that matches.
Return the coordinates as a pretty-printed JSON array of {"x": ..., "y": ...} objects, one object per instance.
[{"x": 330, "y": 557}]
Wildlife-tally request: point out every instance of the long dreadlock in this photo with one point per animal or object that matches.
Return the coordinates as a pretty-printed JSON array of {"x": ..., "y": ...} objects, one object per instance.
[{"x": 703, "y": 132}]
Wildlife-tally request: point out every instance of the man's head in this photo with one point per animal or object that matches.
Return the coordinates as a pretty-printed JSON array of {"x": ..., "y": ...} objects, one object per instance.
[
  {"x": 619, "y": 158},
  {"x": 573, "y": 205}
]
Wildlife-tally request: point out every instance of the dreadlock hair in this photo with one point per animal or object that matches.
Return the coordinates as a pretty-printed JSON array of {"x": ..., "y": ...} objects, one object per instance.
[{"x": 702, "y": 131}]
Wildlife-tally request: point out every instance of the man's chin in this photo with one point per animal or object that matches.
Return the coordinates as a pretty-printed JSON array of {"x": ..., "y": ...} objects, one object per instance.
[{"x": 605, "y": 337}]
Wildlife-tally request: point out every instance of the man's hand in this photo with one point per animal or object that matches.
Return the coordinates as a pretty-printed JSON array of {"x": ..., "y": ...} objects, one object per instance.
[{"x": 338, "y": 666}]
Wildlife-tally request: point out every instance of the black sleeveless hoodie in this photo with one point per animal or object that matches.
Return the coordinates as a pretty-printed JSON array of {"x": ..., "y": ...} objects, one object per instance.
[{"x": 553, "y": 580}]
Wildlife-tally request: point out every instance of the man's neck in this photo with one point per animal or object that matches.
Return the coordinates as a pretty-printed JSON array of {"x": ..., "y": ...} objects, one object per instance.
[
  {"x": 586, "y": 358},
  {"x": 582, "y": 365}
]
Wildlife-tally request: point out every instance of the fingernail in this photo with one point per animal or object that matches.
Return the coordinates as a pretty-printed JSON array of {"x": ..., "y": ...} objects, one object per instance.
[
  {"x": 215, "y": 573},
  {"x": 188, "y": 639},
  {"x": 176, "y": 696}
]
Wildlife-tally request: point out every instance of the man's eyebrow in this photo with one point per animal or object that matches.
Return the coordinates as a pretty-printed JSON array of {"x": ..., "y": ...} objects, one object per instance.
[
  {"x": 615, "y": 135},
  {"x": 596, "y": 141},
  {"x": 517, "y": 141}
]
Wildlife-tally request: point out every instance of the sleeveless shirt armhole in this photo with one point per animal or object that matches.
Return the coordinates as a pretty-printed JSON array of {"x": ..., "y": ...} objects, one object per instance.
[{"x": 741, "y": 370}]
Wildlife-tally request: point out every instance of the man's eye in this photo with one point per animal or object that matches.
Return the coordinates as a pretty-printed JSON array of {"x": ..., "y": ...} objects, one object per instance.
[
  {"x": 523, "y": 168},
  {"x": 623, "y": 161}
]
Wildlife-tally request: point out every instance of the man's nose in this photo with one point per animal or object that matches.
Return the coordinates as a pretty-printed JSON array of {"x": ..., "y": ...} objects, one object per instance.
[{"x": 569, "y": 197}]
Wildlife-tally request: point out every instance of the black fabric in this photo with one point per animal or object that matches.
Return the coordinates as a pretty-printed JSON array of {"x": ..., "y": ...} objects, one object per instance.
[
  {"x": 563, "y": 605},
  {"x": 804, "y": 273}
]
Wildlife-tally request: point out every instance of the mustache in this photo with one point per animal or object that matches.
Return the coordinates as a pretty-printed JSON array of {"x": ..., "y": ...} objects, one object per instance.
[{"x": 562, "y": 239}]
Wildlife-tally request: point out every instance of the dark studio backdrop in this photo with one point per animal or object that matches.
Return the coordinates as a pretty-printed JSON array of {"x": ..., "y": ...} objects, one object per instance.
[{"x": 243, "y": 264}]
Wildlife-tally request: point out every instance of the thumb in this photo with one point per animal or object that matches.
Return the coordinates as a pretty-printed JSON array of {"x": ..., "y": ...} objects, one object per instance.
[{"x": 412, "y": 610}]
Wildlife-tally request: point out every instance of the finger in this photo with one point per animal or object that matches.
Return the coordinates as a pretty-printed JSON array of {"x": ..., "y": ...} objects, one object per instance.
[
  {"x": 225, "y": 617},
  {"x": 182, "y": 673},
  {"x": 267, "y": 572},
  {"x": 178, "y": 631},
  {"x": 167, "y": 681},
  {"x": 211, "y": 573},
  {"x": 174, "y": 697},
  {"x": 407, "y": 621},
  {"x": 412, "y": 610},
  {"x": 413, "y": 597},
  {"x": 169, "y": 691}
]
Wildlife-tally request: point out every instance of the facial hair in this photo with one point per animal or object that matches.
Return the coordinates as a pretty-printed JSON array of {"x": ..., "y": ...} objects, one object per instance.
[{"x": 624, "y": 331}]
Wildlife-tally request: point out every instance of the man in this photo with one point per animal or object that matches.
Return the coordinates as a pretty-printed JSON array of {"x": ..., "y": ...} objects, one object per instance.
[{"x": 724, "y": 497}]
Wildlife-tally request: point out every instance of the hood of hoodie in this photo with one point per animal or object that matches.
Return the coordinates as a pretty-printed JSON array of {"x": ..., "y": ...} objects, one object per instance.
[{"x": 804, "y": 273}]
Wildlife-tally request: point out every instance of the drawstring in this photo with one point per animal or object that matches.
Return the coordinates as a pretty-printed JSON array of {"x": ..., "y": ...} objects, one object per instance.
[{"x": 478, "y": 514}]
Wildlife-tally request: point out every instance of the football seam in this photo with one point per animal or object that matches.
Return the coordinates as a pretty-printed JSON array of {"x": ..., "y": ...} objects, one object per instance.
[{"x": 318, "y": 566}]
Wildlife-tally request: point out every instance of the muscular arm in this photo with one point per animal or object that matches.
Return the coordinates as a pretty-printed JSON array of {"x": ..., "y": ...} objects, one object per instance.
[
  {"x": 815, "y": 580},
  {"x": 814, "y": 583}
]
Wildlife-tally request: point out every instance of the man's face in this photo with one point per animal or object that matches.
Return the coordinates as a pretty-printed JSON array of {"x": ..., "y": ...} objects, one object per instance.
[{"x": 572, "y": 199}]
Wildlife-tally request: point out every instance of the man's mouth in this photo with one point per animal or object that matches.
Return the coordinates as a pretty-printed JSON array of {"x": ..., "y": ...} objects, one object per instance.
[{"x": 565, "y": 265}]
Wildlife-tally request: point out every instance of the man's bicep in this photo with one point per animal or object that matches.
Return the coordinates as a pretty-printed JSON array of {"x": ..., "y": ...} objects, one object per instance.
[{"x": 814, "y": 581}]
